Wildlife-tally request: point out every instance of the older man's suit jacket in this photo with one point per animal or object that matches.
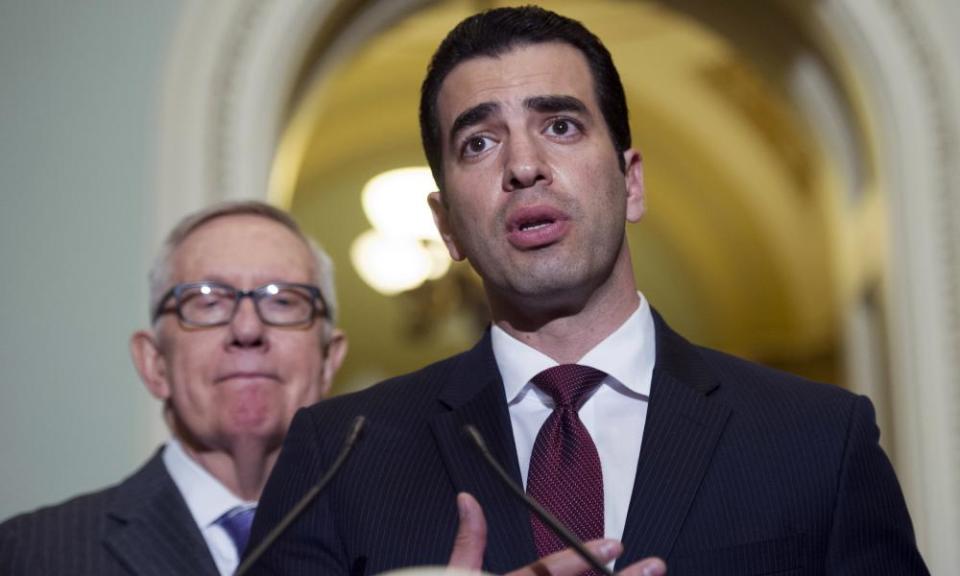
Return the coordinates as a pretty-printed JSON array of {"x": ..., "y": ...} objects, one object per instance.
[
  {"x": 141, "y": 526},
  {"x": 743, "y": 470}
]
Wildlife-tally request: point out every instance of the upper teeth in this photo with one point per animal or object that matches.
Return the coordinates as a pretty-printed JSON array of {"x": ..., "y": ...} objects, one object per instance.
[{"x": 532, "y": 225}]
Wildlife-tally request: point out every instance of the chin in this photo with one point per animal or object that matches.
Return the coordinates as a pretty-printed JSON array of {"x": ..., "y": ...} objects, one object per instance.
[
  {"x": 548, "y": 284},
  {"x": 255, "y": 425},
  {"x": 266, "y": 438}
]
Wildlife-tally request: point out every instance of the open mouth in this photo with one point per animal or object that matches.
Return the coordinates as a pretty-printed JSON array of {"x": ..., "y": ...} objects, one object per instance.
[
  {"x": 536, "y": 227},
  {"x": 535, "y": 224}
]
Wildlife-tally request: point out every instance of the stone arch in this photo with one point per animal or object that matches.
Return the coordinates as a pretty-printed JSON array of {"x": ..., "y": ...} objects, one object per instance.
[{"x": 233, "y": 68}]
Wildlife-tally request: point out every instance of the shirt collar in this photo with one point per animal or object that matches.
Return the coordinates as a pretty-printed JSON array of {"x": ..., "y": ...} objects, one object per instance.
[
  {"x": 627, "y": 355},
  {"x": 205, "y": 496}
]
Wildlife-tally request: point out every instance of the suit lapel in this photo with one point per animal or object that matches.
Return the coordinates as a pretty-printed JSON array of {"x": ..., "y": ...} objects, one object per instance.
[
  {"x": 152, "y": 531},
  {"x": 681, "y": 433},
  {"x": 474, "y": 395}
]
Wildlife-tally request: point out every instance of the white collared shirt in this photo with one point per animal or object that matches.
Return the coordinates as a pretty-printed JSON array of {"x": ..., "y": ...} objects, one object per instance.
[
  {"x": 614, "y": 415},
  {"x": 208, "y": 500}
]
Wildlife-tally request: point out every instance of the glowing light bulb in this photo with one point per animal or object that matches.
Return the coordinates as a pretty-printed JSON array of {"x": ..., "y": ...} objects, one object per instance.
[
  {"x": 395, "y": 202},
  {"x": 390, "y": 265}
]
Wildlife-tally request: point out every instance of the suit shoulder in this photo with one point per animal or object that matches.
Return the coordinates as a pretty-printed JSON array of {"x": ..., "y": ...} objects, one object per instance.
[
  {"x": 773, "y": 411},
  {"x": 42, "y": 531},
  {"x": 752, "y": 385},
  {"x": 733, "y": 369},
  {"x": 406, "y": 396},
  {"x": 88, "y": 511},
  {"x": 76, "y": 506},
  {"x": 735, "y": 379}
]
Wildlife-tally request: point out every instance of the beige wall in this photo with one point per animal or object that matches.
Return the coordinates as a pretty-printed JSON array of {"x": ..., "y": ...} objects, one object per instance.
[{"x": 78, "y": 125}]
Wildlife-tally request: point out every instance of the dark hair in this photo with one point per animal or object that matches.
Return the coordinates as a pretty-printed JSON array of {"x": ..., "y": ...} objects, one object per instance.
[{"x": 497, "y": 31}]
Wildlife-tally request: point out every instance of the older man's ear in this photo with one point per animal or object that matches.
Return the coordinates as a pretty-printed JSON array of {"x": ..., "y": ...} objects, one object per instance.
[
  {"x": 335, "y": 352},
  {"x": 148, "y": 360}
]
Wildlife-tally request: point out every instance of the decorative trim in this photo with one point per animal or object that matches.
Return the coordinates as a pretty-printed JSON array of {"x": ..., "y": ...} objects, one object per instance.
[
  {"x": 233, "y": 63},
  {"x": 932, "y": 71},
  {"x": 231, "y": 69},
  {"x": 909, "y": 87}
]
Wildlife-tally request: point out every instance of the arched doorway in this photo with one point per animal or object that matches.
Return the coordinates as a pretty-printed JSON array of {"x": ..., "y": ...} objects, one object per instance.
[
  {"x": 735, "y": 249},
  {"x": 846, "y": 211}
]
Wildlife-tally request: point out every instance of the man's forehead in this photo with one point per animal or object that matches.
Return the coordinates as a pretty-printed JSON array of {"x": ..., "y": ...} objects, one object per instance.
[
  {"x": 541, "y": 69},
  {"x": 242, "y": 248}
]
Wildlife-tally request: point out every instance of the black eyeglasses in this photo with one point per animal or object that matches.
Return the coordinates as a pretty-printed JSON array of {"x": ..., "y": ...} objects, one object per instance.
[{"x": 207, "y": 304}]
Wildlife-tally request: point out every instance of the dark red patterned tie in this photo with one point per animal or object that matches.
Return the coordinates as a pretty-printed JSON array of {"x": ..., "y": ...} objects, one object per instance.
[{"x": 565, "y": 475}]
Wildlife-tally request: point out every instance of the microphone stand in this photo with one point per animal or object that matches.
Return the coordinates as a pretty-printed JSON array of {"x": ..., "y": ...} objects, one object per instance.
[
  {"x": 558, "y": 528},
  {"x": 304, "y": 502}
]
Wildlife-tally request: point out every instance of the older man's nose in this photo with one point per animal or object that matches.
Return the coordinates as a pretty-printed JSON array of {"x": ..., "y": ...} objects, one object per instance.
[{"x": 246, "y": 328}]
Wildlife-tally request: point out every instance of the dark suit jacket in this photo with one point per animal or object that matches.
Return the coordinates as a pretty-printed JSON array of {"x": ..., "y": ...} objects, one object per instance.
[
  {"x": 743, "y": 470},
  {"x": 141, "y": 526}
]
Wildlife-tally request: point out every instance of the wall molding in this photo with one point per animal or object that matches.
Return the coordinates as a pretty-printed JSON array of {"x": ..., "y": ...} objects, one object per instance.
[
  {"x": 907, "y": 90},
  {"x": 230, "y": 72}
]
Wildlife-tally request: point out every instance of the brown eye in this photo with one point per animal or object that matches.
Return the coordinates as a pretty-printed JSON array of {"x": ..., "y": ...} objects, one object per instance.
[
  {"x": 477, "y": 144},
  {"x": 563, "y": 128}
]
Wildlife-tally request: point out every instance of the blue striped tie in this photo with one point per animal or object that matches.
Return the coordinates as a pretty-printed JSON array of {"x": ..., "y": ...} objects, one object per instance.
[{"x": 237, "y": 522}]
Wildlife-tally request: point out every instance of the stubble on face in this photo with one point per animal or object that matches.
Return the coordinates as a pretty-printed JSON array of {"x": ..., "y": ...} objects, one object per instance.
[{"x": 575, "y": 181}]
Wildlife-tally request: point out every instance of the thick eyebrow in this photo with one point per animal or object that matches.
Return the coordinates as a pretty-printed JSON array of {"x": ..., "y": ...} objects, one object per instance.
[
  {"x": 472, "y": 116},
  {"x": 555, "y": 103},
  {"x": 543, "y": 104}
]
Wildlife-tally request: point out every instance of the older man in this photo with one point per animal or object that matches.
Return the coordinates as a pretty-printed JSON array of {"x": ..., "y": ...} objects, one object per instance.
[
  {"x": 614, "y": 422},
  {"x": 243, "y": 335}
]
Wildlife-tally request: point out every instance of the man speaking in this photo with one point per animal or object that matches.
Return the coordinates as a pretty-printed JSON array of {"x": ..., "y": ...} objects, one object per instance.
[{"x": 584, "y": 394}]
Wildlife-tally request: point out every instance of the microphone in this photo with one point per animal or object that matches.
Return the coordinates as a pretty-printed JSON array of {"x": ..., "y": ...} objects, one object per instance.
[
  {"x": 307, "y": 499},
  {"x": 569, "y": 538}
]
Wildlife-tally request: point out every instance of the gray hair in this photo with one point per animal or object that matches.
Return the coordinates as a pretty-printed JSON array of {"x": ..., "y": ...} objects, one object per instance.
[{"x": 161, "y": 271}]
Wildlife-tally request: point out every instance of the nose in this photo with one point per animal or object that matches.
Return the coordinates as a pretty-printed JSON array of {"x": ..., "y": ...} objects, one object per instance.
[
  {"x": 524, "y": 163},
  {"x": 247, "y": 330}
]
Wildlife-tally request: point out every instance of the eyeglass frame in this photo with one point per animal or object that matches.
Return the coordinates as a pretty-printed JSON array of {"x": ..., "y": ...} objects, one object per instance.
[{"x": 255, "y": 295}]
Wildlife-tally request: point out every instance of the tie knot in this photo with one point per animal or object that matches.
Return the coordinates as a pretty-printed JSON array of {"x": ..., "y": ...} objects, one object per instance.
[
  {"x": 568, "y": 383},
  {"x": 237, "y": 522}
]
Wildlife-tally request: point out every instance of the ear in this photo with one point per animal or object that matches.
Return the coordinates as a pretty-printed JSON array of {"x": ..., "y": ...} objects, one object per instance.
[
  {"x": 336, "y": 351},
  {"x": 149, "y": 362},
  {"x": 441, "y": 217},
  {"x": 633, "y": 177}
]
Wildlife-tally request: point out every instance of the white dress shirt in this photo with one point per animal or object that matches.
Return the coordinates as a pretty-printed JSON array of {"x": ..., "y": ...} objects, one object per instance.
[
  {"x": 614, "y": 414},
  {"x": 208, "y": 500}
]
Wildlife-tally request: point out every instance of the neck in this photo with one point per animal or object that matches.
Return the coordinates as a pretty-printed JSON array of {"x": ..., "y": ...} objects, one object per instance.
[
  {"x": 566, "y": 327},
  {"x": 243, "y": 467}
]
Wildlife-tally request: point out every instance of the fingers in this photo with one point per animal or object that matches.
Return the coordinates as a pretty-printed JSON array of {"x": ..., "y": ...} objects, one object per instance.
[
  {"x": 645, "y": 567},
  {"x": 569, "y": 563},
  {"x": 471, "y": 539}
]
